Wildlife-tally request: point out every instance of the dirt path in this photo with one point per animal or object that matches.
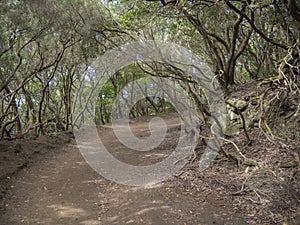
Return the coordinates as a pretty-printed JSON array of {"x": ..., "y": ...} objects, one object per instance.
[{"x": 60, "y": 188}]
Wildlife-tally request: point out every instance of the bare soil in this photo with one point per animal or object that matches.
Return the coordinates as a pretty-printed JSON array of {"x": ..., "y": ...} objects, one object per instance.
[{"x": 47, "y": 181}]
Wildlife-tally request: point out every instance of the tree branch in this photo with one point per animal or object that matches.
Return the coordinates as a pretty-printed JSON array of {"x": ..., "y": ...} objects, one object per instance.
[{"x": 251, "y": 22}]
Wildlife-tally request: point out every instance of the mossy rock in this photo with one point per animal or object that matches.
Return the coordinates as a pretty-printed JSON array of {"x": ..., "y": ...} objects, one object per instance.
[
  {"x": 232, "y": 131},
  {"x": 239, "y": 104}
]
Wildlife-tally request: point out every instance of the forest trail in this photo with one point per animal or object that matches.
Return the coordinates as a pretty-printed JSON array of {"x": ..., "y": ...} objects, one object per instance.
[{"x": 61, "y": 188}]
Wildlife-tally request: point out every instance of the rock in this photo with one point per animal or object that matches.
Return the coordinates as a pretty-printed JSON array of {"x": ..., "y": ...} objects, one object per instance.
[
  {"x": 239, "y": 104},
  {"x": 232, "y": 131}
]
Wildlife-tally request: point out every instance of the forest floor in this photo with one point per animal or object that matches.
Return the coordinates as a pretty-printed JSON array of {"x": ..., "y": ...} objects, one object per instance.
[{"x": 47, "y": 181}]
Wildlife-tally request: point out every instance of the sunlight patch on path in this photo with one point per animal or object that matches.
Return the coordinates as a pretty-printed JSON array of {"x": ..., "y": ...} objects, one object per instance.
[
  {"x": 142, "y": 211},
  {"x": 68, "y": 211},
  {"x": 90, "y": 222}
]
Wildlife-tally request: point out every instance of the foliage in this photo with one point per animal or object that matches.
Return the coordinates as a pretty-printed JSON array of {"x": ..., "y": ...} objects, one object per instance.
[{"x": 46, "y": 48}]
